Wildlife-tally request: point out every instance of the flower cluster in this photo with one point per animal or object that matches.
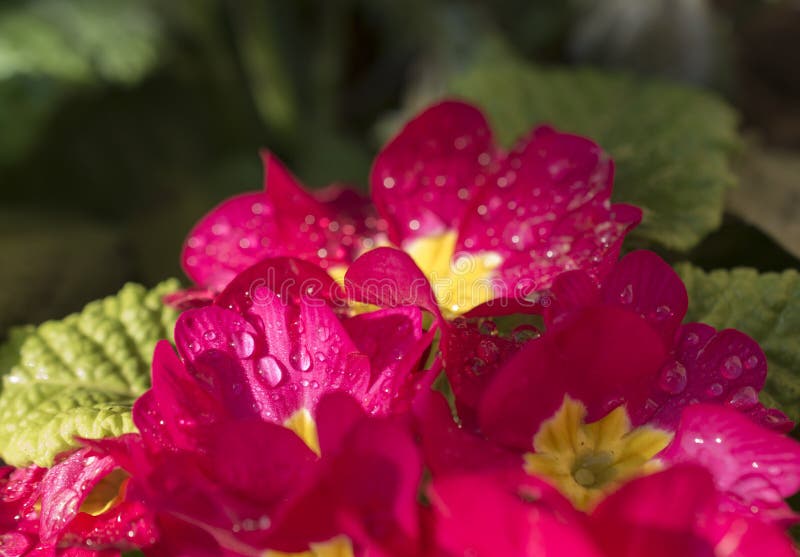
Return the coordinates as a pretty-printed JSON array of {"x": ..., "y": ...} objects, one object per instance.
[{"x": 303, "y": 412}]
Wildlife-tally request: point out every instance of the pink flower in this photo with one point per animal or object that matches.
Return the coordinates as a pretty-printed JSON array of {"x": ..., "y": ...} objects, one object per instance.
[
  {"x": 78, "y": 508},
  {"x": 483, "y": 223},
  {"x": 666, "y": 514}
]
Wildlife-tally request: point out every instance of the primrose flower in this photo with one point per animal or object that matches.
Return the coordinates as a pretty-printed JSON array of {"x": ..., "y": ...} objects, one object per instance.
[
  {"x": 78, "y": 508},
  {"x": 481, "y": 222},
  {"x": 668, "y": 513}
]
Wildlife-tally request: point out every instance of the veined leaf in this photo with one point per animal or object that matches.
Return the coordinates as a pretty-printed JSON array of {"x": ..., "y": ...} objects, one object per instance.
[{"x": 79, "y": 376}]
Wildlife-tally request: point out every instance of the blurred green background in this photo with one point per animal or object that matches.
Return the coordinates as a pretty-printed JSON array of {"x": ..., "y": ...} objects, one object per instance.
[{"x": 123, "y": 121}]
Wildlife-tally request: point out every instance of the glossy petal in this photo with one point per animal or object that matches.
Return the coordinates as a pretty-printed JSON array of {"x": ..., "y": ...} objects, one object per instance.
[
  {"x": 499, "y": 522},
  {"x": 604, "y": 358},
  {"x": 725, "y": 367},
  {"x": 754, "y": 467},
  {"x": 471, "y": 359},
  {"x": 395, "y": 343},
  {"x": 643, "y": 282},
  {"x": 546, "y": 210},
  {"x": 423, "y": 180},
  {"x": 284, "y": 220},
  {"x": 298, "y": 353},
  {"x": 389, "y": 278},
  {"x": 657, "y": 515},
  {"x": 449, "y": 449}
]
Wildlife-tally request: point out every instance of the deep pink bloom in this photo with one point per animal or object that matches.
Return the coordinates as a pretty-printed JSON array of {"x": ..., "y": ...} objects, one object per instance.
[
  {"x": 666, "y": 514},
  {"x": 251, "y": 485},
  {"x": 260, "y": 353},
  {"x": 535, "y": 211},
  {"x": 754, "y": 468},
  {"x": 703, "y": 364}
]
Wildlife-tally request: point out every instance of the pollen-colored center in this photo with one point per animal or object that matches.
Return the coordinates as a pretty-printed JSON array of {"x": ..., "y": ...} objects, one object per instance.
[
  {"x": 459, "y": 281},
  {"x": 586, "y": 461},
  {"x": 303, "y": 424},
  {"x": 336, "y": 547}
]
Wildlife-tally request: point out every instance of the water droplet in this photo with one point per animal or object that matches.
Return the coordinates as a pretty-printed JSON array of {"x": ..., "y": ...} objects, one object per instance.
[
  {"x": 692, "y": 339},
  {"x": 524, "y": 333},
  {"x": 300, "y": 359},
  {"x": 731, "y": 367},
  {"x": 209, "y": 335},
  {"x": 714, "y": 390},
  {"x": 244, "y": 344},
  {"x": 673, "y": 378},
  {"x": 751, "y": 362},
  {"x": 626, "y": 296},
  {"x": 323, "y": 333},
  {"x": 662, "y": 313},
  {"x": 270, "y": 370},
  {"x": 195, "y": 347},
  {"x": 744, "y": 398},
  {"x": 488, "y": 351}
]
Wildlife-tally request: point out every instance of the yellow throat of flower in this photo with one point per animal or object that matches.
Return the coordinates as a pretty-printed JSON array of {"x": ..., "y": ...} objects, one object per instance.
[
  {"x": 460, "y": 282},
  {"x": 303, "y": 424},
  {"x": 587, "y": 461}
]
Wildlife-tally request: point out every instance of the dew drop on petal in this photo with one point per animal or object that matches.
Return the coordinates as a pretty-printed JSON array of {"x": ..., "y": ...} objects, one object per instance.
[
  {"x": 244, "y": 344},
  {"x": 714, "y": 390},
  {"x": 751, "y": 362},
  {"x": 731, "y": 367},
  {"x": 270, "y": 370},
  {"x": 300, "y": 359},
  {"x": 744, "y": 398},
  {"x": 626, "y": 296},
  {"x": 673, "y": 378},
  {"x": 195, "y": 347},
  {"x": 209, "y": 335}
]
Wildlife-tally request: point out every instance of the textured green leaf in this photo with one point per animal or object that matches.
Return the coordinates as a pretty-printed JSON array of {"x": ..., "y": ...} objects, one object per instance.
[
  {"x": 671, "y": 143},
  {"x": 766, "y": 306},
  {"x": 79, "y": 376}
]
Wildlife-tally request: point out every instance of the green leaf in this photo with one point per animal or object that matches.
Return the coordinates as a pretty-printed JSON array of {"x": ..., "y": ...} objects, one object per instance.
[
  {"x": 670, "y": 143},
  {"x": 79, "y": 376},
  {"x": 766, "y": 306}
]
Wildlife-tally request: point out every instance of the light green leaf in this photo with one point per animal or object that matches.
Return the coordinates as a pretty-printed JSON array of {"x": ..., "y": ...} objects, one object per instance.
[
  {"x": 79, "y": 376},
  {"x": 671, "y": 143},
  {"x": 766, "y": 306}
]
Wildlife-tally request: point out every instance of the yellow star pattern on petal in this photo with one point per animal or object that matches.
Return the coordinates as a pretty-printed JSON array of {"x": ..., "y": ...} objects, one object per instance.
[{"x": 586, "y": 461}]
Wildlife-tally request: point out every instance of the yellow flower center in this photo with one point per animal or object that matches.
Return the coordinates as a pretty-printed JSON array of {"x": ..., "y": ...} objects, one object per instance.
[
  {"x": 108, "y": 492},
  {"x": 303, "y": 424},
  {"x": 460, "y": 282},
  {"x": 586, "y": 461},
  {"x": 339, "y": 546}
]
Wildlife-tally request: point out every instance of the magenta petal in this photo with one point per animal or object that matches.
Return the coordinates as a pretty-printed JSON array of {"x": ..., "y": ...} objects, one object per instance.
[
  {"x": 643, "y": 282},
  {"x": 337, "y": 414},
  {"x": 471, "y": 359},
  {"x": 604, "y": 357},
  {"x": 167, "y": 415},
  {"x": 64, "y": 488},
  {"x": 129, "y": 525},
  {"x": 476, "y": 516},
  {"x": 389, "y": 277},
  {"x": 739, "y": 536},
  {"x": 546, "y": 210},
  {"x": 213, "y": 253},
  {"x": 258, "y": 460},
  {"x": 284, "y": 220},
  {"x": 285, "y": 278},
  {"x": 725, "y": 367},
  {"x": 658, "y": 515},
  {"x": 449, "y": 449},
  {"x": 385, "y": 336},
  {"x": 298, "y": 353},
  {"x": 423, "y": 180},
  {"x": 756, "y": 468}
]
